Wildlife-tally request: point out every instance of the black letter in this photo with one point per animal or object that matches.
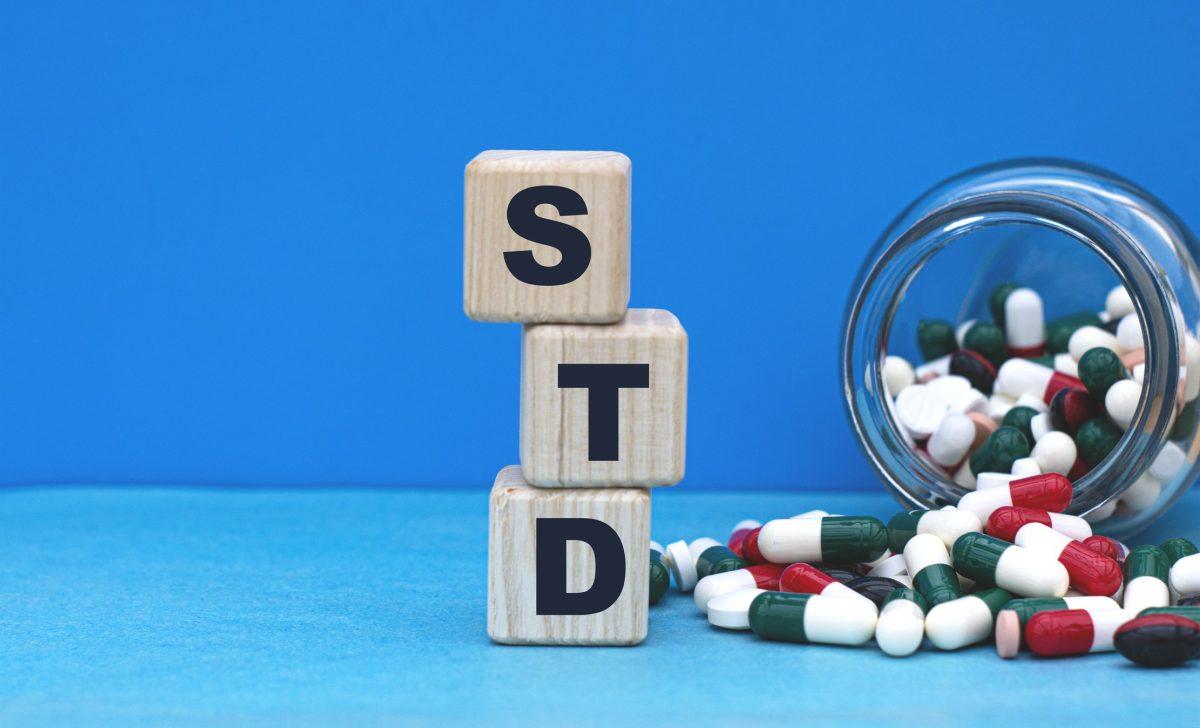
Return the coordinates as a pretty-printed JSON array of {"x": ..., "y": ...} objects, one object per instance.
[
  {"x": 570, "y": 241},
  {"x": 552, "y": 596},
  {"x": 602, "y": 382}
]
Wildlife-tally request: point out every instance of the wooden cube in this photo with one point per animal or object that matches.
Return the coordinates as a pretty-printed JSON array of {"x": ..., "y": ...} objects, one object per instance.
[
  {"x": 546, "y": 237},
  {"x": 569, "y": 438},
  {"x": 526, "y": 529}
]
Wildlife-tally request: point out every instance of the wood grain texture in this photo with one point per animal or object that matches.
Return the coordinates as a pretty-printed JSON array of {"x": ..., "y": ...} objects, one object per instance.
[
  {"x": 652, "y": 422},
  {"x": 491, "y": 292},
  {"x": 515, "y": 507}
]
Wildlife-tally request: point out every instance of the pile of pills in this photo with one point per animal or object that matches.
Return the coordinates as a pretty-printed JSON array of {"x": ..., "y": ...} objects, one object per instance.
[
  {"x": 1006, "y": 564},
  {"x": 1019, "y": 396}
]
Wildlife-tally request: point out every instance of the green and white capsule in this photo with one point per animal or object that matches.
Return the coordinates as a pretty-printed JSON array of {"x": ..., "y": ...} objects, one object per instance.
[
  {"x": 1184, "y": 558},
  {"x": 988, "y": 560},
  {"x": 947, "y": 525},
  {"x": 790, "y": 617},
  {"x": 713, "y": 557},
  {"x": 965, "y": 620},
  {"x": 901, "y": 625},
  {"x": 929, "y": 566},
  {"x": 827, "y": 539},
  {"x": 1146, "y": 574}
]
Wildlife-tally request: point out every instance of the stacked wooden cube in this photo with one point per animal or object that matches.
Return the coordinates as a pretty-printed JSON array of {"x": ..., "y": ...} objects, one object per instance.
[{"x": 603, "y": 396}]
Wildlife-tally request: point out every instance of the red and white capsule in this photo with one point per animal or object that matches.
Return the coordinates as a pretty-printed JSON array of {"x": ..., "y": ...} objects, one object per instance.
[
  {"x": 1005, "y": 522},
  {"x": 1049, "y": 491},
  {"x": 1024, "y": 323},
  {"x": 1073, "y": 631},
  {"x": 1091, "y": 573},
  {"x": 1025, "y": 376}
]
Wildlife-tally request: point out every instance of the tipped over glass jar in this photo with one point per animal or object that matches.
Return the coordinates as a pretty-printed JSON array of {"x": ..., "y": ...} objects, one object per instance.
[{"x": 1027, "y": 317}]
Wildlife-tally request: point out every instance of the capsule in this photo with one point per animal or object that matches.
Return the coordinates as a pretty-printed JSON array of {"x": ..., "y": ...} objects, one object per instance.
[
  {"x": 749, "y": 542},
  {"x": 682, "y": 564},
  {"x": 1158, "y": 640},
  {"x": 1005, "y": 522},
  {"x": 1024, "y": 376},
  {"x": 732, "y": 610},
  {"x": 1010, "y": 622},
  {"x": 1111, "y": 548},
  {"x": 1091, "y": 573},
  {"x": 832, "y": 539},
  {"x": 1073, "y": 631},
  {"x": 965, "y": 620},
  {"x": 901, "y": 625},
  {"x": 660, "y": 578},
  {"x": 928, "y": 564},
  {"x": 760, "y": 576},
  {"x": 946, "y": 525},
  {"x": 1184, "y": 558},
  {"x": 804, "y": 578},
  {"x": 738, "y": 535},
  {"x": 714, "y": 558},
  {"x": 1146, "y": 574},
  {"x": 1050, "y": 491},
  {"x": 812, "y": 618},
  {"x": 990, "y": 561},
  {"x": 1024, "y": 323}
]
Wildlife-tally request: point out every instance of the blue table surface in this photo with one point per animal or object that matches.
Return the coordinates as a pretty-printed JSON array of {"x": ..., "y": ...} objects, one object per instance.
[{"x": 202, "y": 606}]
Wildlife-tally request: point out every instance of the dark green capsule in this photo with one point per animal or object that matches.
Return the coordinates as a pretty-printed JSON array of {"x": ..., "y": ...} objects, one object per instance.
[
  {"x": 779, "y": 616},
  {"x": 935, "y": 339},
  {"x": 718, "y": 560},
  {"x": 1020, "y": 417},
  {"x": 997, "y": 453},
  {"x": 1099, "y": 369},
  {"x": 660, "y": 578},
  {"x": 852, "y": 539},
  {"x": 901, "y": 528},
  {"x": 1146, "y": 561},
  {"x": 1096, "y": 438},
  {"x": 1176, "y": 548},
  {"x": 996, "y": 301},
  {"x": 937, "y": 583},
  {"x": 987, "y": 340}
]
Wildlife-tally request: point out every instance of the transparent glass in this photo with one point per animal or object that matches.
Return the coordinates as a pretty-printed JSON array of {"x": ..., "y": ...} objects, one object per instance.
[{"x": 1024, "y": 217}]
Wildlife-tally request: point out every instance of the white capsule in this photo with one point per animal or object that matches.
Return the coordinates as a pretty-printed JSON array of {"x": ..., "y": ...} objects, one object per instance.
[
  {"x": 1143, "y": 493},
  {"x": 1029, "y": 573},
  {"x": 901, "y": 628},
  {"x": 1039, "y": 425},
  {"x": 1086, "y": 338},
  {"x": 999, "y": 405},
  {"x": 732, "y": 610},
  {"x": 788, "y": 540},
  {"x": 715, "y": 585},
  {"x": 987, "y": 481},
  {"x": 1129, "y": 334},
  {"x": 897, "y": 374},
  {"x": 1066, "y": 364},
  {"x": 1121, "y": 402},
  {"x": 958, "y": 623},
  {"x": 1168, "y": 462},
  {"x": 682, "y": 565},
  {"x": 1143, "y": 592},
  {"x": 931, "y": 370},
  {"x": 1023, "y": 376},
  {"x": 890, "y": 567},
  {"x": 1024, "y": 322},
  {"x": 1102, "y": 513},
  {"x": 1026, "y": 467},
  {"x": 1118, "y": 303},
  {"x": 1055, "y": 453},
  {"x": 951, "y": 440},
  {"x": 1034, "y": 403},
  {"x": 1185, "y": 576}
]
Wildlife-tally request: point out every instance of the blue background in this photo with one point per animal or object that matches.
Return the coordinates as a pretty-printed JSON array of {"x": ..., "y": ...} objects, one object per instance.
[{"x": 231, "y": 236}]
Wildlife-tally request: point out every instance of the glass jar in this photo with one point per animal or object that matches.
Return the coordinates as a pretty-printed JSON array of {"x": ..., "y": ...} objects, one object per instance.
[{"x": 1071, "y": 232}]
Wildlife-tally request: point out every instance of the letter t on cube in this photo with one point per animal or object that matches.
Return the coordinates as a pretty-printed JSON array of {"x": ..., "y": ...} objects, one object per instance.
[
  {"x": 546, "y": 237},
  {"x": 604, "y": 406}
]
